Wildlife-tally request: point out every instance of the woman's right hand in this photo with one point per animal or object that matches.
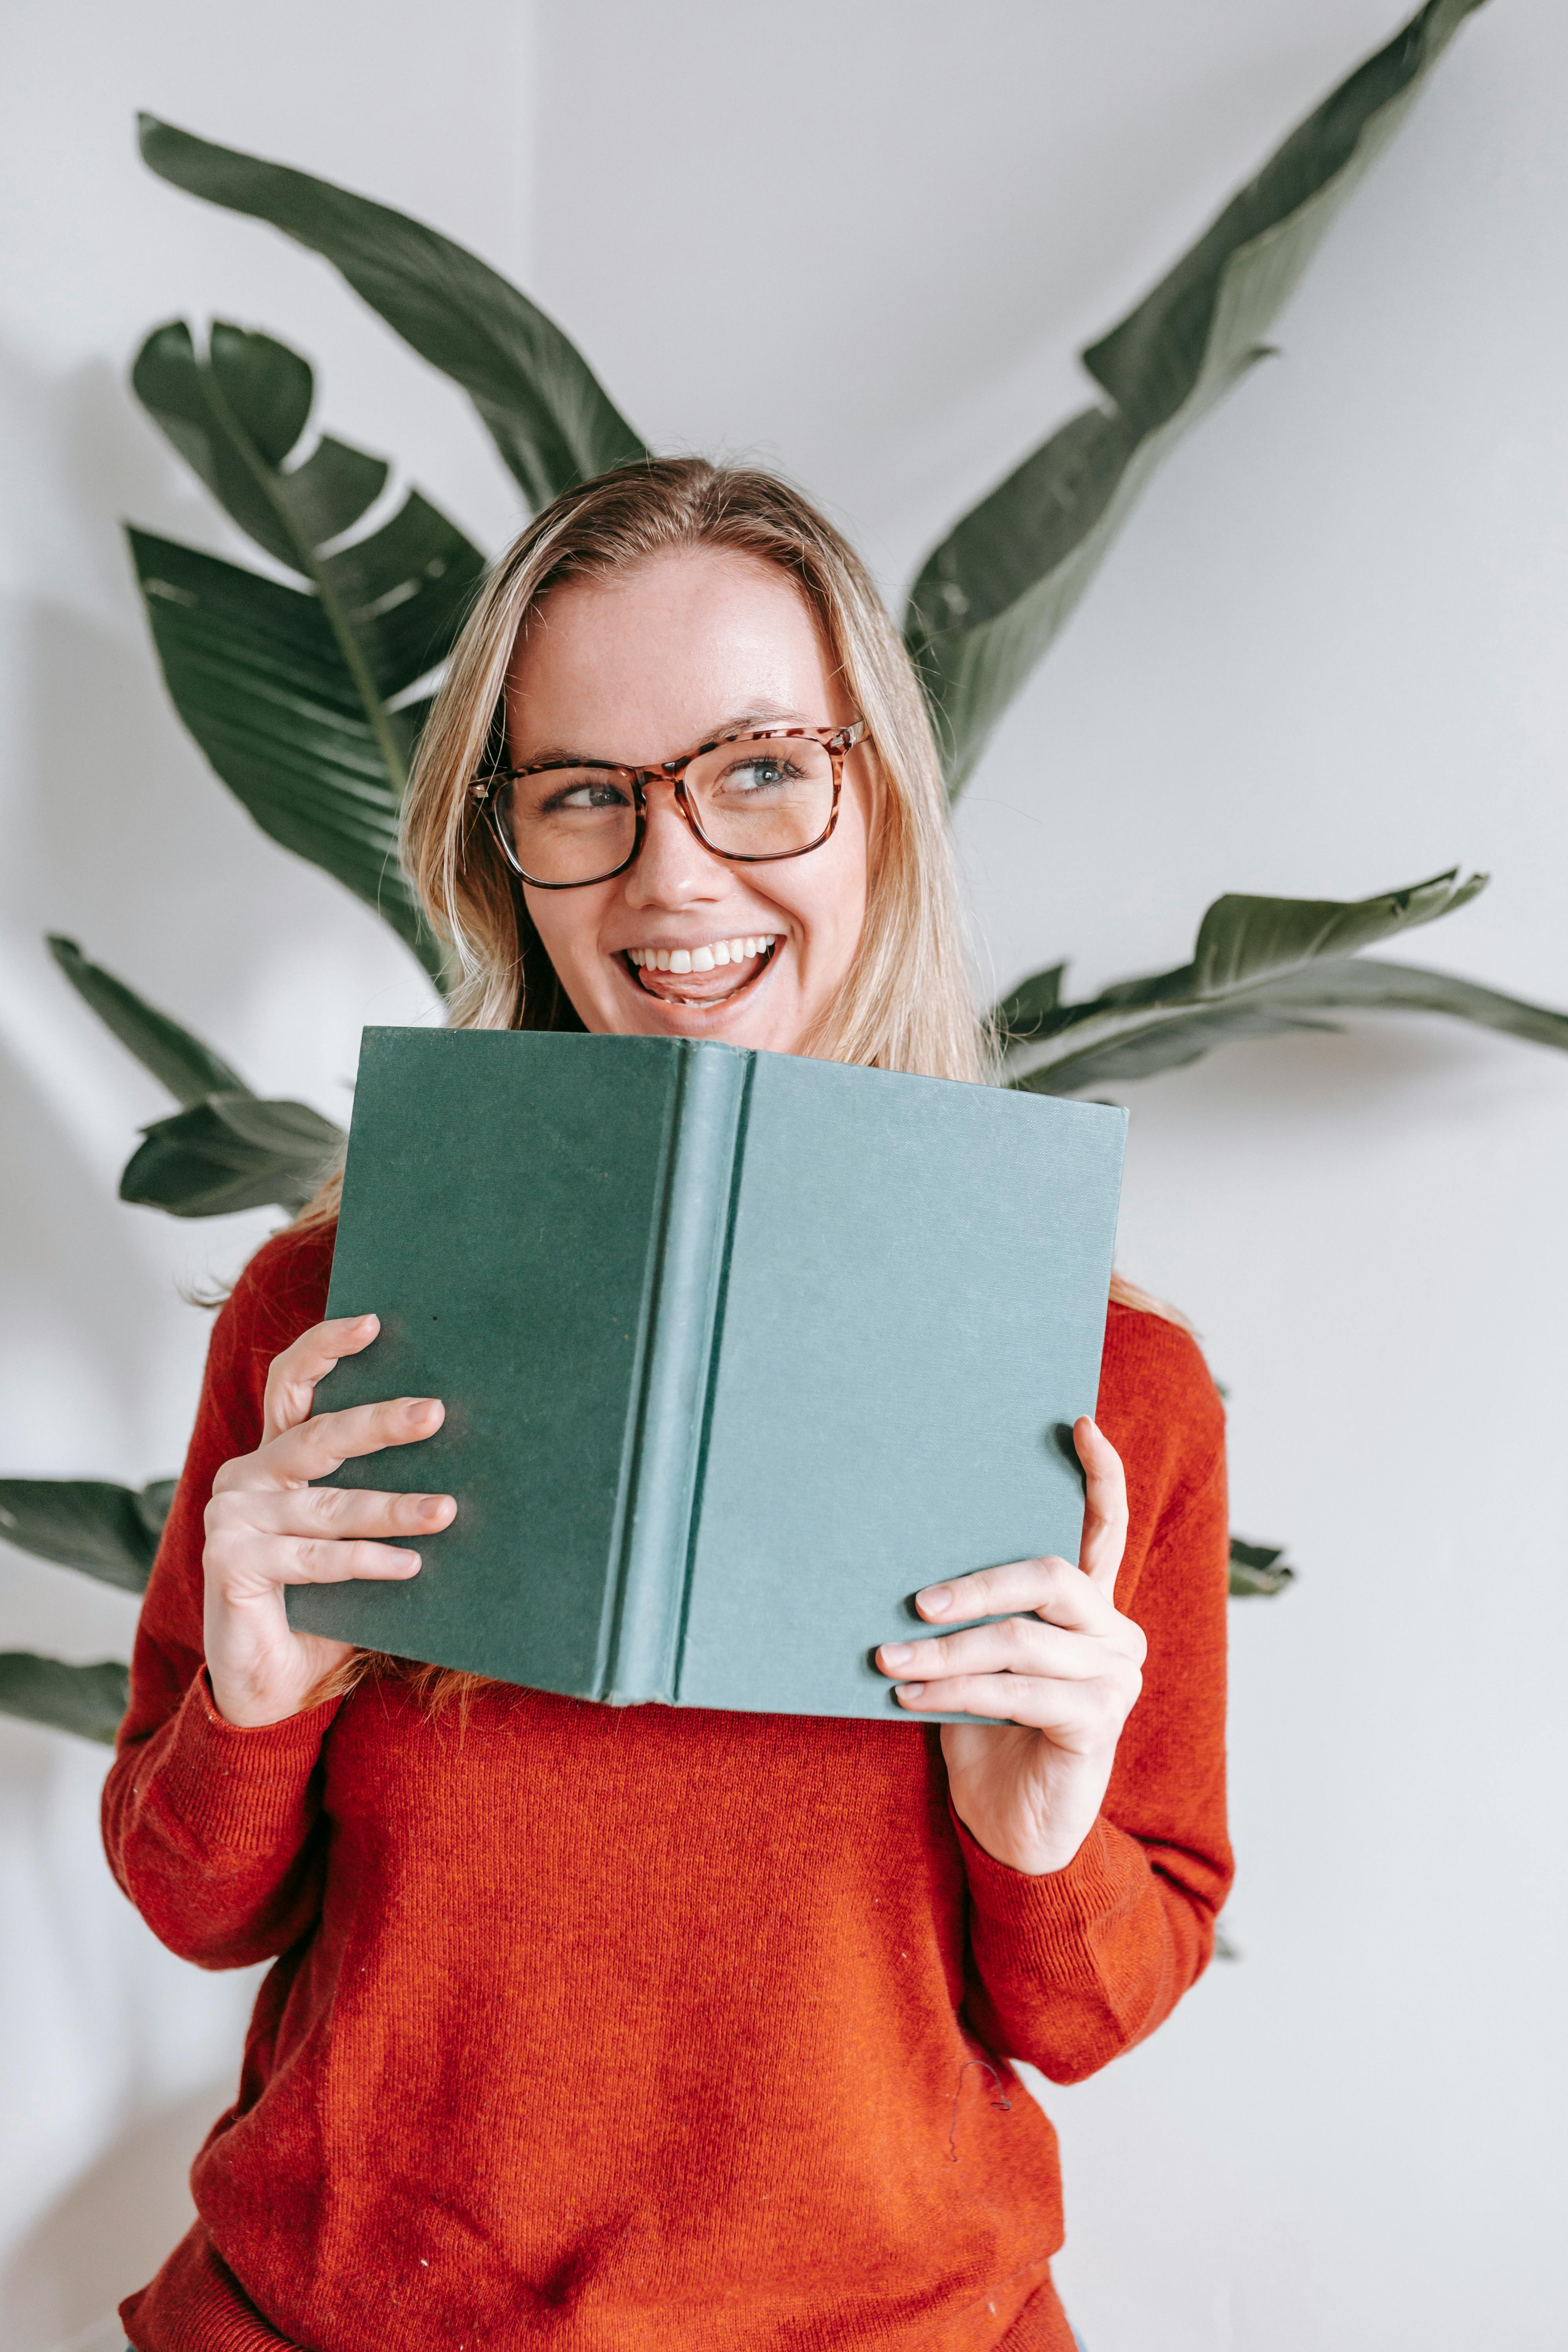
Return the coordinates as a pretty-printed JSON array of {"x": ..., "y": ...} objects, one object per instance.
[{"x": 267, "y": 1526}]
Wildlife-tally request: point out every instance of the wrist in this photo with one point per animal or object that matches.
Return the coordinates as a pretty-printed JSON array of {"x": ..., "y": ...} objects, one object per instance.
[
  {"x": 321, "y": 1699},
  {"x": 248, "y": 1704},
  {"x": 1028, "y": 1858},
  {"x": 1036, "y": 1823}
]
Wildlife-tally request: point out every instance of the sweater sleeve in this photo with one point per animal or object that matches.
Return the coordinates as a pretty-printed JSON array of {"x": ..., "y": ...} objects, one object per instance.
[
  {"x": 1071, "y": 1968},
  {"x": 213, "y": 1831}
]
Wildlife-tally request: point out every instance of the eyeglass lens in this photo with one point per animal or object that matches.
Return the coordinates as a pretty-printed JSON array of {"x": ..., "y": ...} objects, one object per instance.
[{"x": 755, "y": 797}]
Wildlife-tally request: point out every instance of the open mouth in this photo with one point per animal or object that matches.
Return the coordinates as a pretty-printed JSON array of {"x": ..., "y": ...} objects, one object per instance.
[{"x": 705, "y": 975}]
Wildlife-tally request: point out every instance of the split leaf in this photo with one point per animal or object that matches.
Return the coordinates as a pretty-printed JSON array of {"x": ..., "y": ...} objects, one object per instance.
[
  {"x": 543, "y": 407},
  {"x": 255, "y": 671},
  {"x": 288, "y": 690}
]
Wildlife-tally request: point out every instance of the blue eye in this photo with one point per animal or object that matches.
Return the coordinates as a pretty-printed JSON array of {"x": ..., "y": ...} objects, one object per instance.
[
  {"x": 757, "y": 774},
  {"x": 587, "y": 792}
]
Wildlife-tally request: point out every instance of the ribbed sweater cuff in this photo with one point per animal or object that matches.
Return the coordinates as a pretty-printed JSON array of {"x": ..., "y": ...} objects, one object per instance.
[
  {"x": 1045, "y": 1914},
  {"x": 236, "y": 1788}
]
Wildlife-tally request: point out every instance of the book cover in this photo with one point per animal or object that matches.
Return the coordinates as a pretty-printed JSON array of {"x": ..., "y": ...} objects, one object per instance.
[{"x": 738, "y": 1350}]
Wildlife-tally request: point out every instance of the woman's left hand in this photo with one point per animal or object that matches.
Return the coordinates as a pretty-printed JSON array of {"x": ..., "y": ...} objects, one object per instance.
[{"x": 1062, "y": 1681}]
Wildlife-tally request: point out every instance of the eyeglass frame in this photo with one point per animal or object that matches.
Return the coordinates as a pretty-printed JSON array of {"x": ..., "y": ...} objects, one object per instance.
[{"x": 837, "y": 741}]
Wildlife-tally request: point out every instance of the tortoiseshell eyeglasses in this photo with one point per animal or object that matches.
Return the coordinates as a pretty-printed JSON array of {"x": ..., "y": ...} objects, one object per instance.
[{"x": 770, "y": 793}]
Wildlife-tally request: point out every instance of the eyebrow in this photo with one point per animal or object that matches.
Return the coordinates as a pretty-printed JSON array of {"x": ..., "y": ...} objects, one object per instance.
[{"x": 761, "y": 714}]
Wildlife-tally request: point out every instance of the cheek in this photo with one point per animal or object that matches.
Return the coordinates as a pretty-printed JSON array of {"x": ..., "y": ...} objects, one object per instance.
[
  {"x": 569, "y": 930},
  {"x": 842, "y": 913},
  {"x": 827, "y": 908}
]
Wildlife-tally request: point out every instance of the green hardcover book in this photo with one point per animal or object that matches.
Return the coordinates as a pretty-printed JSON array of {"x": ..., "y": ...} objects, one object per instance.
[{"x": 738, "y": 1351}]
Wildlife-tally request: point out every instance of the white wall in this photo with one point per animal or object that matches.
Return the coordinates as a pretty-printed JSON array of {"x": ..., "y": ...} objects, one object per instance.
[
  {"x": 1324, "y": 660},
  {"x": 115, "y": 2056}
]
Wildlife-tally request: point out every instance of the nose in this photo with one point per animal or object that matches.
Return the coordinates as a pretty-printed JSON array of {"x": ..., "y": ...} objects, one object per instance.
[{"x": 673, "y": 869}]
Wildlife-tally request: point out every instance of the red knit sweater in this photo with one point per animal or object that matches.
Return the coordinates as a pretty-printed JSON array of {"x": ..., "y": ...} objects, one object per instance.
[{"x": 647, "y": 2029}]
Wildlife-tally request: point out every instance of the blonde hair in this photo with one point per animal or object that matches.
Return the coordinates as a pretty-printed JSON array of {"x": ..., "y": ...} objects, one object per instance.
[{"x": 906, "y": 1003}]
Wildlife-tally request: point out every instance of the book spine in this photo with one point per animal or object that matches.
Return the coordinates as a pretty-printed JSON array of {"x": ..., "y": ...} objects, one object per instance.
[{"x": 690, "y": 1244}]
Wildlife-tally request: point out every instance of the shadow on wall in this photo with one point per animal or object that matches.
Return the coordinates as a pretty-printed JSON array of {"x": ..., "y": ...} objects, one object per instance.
[
  {"x": 71, "y": 1281},
  {"x": 107, "y": 2233}
]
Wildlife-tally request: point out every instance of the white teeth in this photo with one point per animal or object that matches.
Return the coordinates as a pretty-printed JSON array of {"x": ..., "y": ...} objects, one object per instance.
[{"x": 703, "y": 959}]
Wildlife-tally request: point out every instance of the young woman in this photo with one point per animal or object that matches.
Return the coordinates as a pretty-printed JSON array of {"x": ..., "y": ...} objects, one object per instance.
[{"x": 621, "y": 2028}]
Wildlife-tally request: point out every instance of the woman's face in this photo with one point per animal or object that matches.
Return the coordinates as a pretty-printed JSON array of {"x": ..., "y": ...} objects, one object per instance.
[{"x": 644, "y": 667}]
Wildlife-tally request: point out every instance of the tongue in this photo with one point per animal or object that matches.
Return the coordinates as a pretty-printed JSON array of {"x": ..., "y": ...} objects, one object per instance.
[
  {"x": 701, "y": 987},
  {"x": 695, "y": 987}
]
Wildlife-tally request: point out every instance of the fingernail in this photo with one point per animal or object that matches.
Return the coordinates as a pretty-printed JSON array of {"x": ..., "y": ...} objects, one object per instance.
[
  {"x": 936, "y": 1597},
  {"x": 363, "y": 1322},
  {"x": 909, "y": 1690},
  {"x": 897, "y": 1654},
  {"x": 408, "y": 1559}
]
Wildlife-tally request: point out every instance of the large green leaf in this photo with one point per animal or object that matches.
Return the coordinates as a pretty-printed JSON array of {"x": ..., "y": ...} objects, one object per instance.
[
  {"x": 179, "y": 1061},
  {"x": 396, "y": 598},
  {"x": 232, "y": 1151},
  {"x": 1262, "y": 966},
  {"x": 236, "y": 415},
  {"x": 107, "y": 1531},
  {"x": 257, "y": 677},
  {"x": 1243, "y": 940},
  {"x": 545, "y": 410},
  {"x": 287, "y": 693},
  {"x": 405, "y": 591},
  {"x": 991, "y": 598},
  {"x": 87, "y": 1700}
]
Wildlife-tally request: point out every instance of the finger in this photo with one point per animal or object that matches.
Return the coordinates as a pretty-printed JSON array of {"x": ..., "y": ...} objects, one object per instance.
[
  {"x": 1055, "y": 1589},
  {"x": 1039, "y": 1703},
  {"x": 292, "y": 1377},
  {"x": 269, "y": 1560},
  {"x": 340, "y": 1512},
  {"x": 322, "y": 1445},
  {"x": 1104, "y": 1508},
  {"x": 1016, "y": 1645}
]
